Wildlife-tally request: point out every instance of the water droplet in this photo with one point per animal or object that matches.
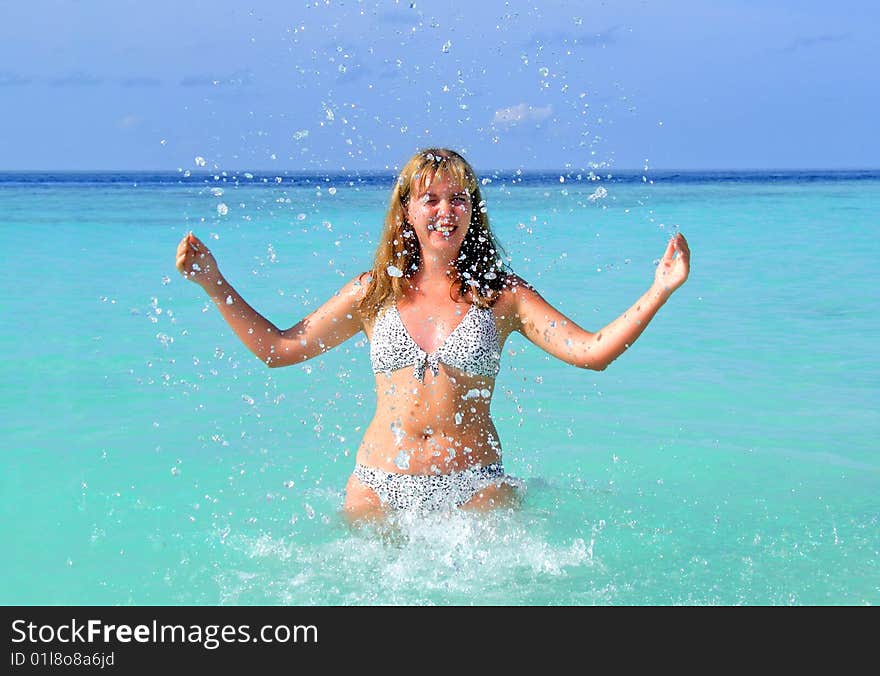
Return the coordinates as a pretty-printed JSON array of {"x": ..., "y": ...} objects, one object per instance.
[
  {"x": 222, "y": 209},
  {"x": 200, "y": 161},
  {"x": 402, "y": 460},
  {"x": 446, "y": 47},
  {"x": 394, "y": 271}
]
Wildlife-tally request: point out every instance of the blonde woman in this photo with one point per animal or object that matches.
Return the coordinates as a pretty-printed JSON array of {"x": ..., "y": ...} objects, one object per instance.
[{"x": 437, "y": 307}]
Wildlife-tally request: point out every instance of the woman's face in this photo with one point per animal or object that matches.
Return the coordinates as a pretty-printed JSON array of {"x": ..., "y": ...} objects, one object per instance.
[{"x": 440, "y": 215}]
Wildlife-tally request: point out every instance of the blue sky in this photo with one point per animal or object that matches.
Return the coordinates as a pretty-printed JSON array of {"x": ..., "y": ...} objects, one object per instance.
[{"x": 361, "y": 85}]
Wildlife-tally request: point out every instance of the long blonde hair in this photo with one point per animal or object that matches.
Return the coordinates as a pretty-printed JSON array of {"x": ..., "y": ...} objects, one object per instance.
[{"x": 480, "y": 269}]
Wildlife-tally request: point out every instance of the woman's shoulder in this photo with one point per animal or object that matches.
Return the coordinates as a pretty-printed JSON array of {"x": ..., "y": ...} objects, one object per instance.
[
  {"x": 370, "y": 301},
  {"x": 513, "y": 289},
  {"x": 351, "y": 294},
  {"x": 356, "y": 286},
  {"x": 512, "y": 282},
  {"x": 513, "y": 286}
]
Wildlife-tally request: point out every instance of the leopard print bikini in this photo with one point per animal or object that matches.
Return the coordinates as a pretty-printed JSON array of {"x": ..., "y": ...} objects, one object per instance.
[
  {"x": 472, "y": 347},
  {"x": 431, "y": 492}
]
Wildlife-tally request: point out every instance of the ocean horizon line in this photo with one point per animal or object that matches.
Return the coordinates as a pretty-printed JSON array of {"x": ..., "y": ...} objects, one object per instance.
[
  {"x": 392, "y": 170},
  {"x": 381, "y": 176}
]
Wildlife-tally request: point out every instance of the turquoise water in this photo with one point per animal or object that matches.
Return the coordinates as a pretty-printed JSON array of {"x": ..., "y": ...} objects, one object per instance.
[{"x": 728, "y": 458}]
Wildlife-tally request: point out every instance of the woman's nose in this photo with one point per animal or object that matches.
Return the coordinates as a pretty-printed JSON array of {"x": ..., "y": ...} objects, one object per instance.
[{"x": 444, "y": 207}]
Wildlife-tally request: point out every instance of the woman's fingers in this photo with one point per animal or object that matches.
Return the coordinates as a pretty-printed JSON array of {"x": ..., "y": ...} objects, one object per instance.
[
  {"x": 677, "y": 244},
  {"x": 196, "y": 243},
  {"x": 675, "y": 265},
  {"x": 682, "y": 245},
  {"x": 194, "y": 259},
  {"x": 683, "y": 261},
  {"x": 181, "y": 251},
  {"x": 670, "y": 251},
  {"x": 185, "y": 254},
  {"x": 684, "y": 254}
]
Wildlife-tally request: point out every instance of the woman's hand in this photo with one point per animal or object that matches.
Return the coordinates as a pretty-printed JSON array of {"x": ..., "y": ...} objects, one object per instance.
[
  {"x": 675, "y": 265},
  {"x": 196, "y": 262}
]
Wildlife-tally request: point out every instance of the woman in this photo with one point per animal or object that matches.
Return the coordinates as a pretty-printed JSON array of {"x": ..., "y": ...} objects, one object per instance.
[{"x": 437, "y": 307}]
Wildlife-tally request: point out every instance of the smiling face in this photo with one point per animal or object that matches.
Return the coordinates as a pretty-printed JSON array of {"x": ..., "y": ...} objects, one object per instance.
[
  {"x": 436, "y": 218},
  {"x": 440, "y": 213}
]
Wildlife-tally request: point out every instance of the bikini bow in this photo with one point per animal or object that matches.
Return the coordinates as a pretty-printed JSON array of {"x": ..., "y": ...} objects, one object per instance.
[{"x": 424, "y": 360}]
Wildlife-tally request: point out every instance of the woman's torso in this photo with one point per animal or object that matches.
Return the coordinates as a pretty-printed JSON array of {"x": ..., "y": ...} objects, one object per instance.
[{"x": 435, "y": 369}]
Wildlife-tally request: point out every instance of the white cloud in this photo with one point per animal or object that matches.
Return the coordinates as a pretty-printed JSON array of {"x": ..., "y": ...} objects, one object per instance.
[
  {"x": 128, "y": 122},
  {"x": 519, "y": 113}
]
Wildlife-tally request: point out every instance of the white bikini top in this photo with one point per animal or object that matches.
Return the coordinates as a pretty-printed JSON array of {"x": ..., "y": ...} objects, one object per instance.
[{"x": 472, "y": 347}]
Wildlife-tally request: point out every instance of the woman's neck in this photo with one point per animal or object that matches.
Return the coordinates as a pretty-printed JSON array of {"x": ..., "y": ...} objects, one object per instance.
[{"x": 433, "y": 277}]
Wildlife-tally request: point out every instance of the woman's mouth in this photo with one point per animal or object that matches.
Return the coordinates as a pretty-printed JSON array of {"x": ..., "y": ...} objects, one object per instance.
[{"x": 445, "y": 229}]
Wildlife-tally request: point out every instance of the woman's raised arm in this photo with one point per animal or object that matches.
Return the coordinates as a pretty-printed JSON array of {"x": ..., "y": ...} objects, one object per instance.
[
  {"x": 333, "y": 323},
  {"x": 555, "y": 333}
]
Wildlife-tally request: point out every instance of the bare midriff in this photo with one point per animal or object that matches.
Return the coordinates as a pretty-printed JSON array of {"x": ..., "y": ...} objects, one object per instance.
[{"x": 436, "y": 427}]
